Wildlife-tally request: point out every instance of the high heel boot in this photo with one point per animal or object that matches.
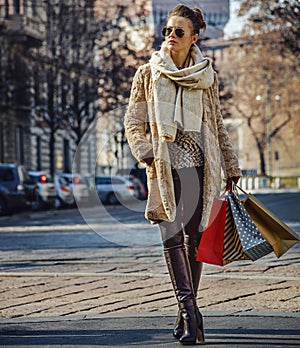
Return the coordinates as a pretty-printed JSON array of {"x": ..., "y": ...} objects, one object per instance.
[
  {"x": 192, "y": 325},
  {"x": 191, "y": 246},
  {"x": 180, "y": 274}
]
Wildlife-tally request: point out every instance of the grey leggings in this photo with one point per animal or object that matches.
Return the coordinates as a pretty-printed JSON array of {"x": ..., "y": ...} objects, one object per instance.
[{"x": 188, "y": 187}]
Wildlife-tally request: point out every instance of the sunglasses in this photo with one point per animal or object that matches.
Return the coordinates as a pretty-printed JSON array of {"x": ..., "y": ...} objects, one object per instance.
[{"x": 178, "y": 32}]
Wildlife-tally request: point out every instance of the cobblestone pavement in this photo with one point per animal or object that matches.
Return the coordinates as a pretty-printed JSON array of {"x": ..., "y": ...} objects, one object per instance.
[{"x": 65, "y": 269}]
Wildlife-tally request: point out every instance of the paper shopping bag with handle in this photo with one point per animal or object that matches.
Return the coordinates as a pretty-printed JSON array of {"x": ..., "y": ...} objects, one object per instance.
[
  {"x": 220, "y": 243},
  {"x": 254, "y": 244},
  {"x": 275, "y": 231},
  {"x": 211, "y": 246}
]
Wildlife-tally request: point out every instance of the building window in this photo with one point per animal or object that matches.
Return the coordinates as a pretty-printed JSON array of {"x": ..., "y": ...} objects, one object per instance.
[
  {"x": 34, "y": 8},
  {"x": 6, "y": 10},
  {"x": 16, "y": 6},
  {"x": 20, "y": 145},
  {"x": 38, "y": 153},
  {"x": 66, "y": 159},
  {"x": 1, "y": 144}
]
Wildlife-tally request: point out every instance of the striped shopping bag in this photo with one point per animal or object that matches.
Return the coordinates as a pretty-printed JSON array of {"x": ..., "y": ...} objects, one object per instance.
[
  {"x": 231, "y": 235},
  {"x": 233, "y": 249}
]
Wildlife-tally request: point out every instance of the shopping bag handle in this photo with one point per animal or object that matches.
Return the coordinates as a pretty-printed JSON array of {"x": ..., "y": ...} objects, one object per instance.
[
  {"x": 241, "y": 189},
  {"x": 228, "y": 190},
  {"x": 233, "y": 189}
]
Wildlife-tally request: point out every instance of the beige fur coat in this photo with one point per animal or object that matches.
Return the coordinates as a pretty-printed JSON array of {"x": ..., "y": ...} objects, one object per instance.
[{"x": 218, "y": 149}]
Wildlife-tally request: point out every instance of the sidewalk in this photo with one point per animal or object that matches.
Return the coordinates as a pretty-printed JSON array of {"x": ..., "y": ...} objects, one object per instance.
[
  {"x": 62, "y": 286},
  {"x": 222, "y": 329},
  {"x": 269, "y": 190}
]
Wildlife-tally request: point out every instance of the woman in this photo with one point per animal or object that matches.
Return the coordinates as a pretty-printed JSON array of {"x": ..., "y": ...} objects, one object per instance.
[{"x": 177, "y": 93}]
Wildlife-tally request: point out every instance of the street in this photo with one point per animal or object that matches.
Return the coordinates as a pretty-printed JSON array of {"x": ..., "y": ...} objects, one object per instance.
[{"x": 109, "y": 260}]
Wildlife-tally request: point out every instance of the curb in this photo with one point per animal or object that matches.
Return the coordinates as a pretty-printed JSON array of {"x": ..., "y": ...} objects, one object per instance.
[{"x": 146, "y": 315}]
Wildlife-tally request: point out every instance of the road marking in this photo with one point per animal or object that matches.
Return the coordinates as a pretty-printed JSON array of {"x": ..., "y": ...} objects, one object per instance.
[{"x": 143, "y": 274}]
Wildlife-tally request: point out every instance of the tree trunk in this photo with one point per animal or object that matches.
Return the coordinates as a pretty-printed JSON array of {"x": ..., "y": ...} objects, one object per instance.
[{"x": 262, "y": 163}]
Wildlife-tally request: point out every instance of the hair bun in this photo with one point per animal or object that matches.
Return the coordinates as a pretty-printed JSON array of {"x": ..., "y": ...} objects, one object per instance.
[{"x": 200, "y": 17}]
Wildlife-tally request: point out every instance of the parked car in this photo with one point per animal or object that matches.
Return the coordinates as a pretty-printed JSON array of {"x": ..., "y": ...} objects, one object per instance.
[
  {"x": 140, "y": 190},
  {"x": 68, "y": 187},
  {"x": 140, "y": 173},
  {"x": 46, "y": 188},
  {"x": 16, "y": 185},
  {"x": 11, "y": 201},
  {"x": 114, "y": 189}
]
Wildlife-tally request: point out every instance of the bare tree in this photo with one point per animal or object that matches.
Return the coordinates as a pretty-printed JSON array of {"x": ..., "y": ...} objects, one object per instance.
[
  {"x": 262, "y": 84},
  {"x": 282, "y": 17},
  {"x": 48, "y": 62},
  {"x": 84, "y": 79},
  {"x": 263, "y": 74},
  {"x": 125, "y": 41},
  {"x": 66, "y": 73}
]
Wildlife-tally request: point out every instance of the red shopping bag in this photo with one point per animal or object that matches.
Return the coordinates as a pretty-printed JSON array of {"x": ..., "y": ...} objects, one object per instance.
[
  {"x": 230, "y": 235},
  {"x": 211, "y": 246}
]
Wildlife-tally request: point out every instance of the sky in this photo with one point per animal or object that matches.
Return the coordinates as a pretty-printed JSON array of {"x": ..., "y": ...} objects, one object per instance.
[{"x": 235, "y": 24}]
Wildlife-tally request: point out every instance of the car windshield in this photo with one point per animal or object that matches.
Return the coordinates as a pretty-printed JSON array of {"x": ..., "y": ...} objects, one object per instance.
[{"x": 103, "y": 180}]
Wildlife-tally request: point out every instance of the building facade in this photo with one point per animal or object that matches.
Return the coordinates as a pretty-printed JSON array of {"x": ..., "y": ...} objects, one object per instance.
[
  {"x": 21, "y": 29},
  {"x": 48, "y": 82},
  {"x": 65, "y": 74}
]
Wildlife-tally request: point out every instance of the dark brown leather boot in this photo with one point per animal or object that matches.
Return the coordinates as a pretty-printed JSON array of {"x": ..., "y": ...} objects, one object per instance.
[
  {"x": 196, "y": 271},
  {"x": 180, "y": 274},
  {"x": 191, "y": 244},
  {"x": 192, "y": 324}
]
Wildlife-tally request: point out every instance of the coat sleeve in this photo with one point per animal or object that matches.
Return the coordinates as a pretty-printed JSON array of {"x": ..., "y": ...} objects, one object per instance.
[
  {"x": 230, "y": 159},
  {"x": 135, "y": 121}
]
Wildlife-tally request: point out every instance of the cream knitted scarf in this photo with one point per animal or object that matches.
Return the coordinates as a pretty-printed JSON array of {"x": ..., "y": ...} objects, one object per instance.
[{"x": 178, "y": 93}]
